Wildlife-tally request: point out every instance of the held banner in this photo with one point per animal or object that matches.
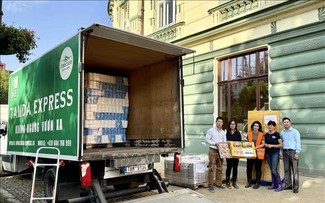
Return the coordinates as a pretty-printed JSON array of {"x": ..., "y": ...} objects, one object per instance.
[
  {"x": 43, "y": 103},
  {"x": 237, "y": 149}
]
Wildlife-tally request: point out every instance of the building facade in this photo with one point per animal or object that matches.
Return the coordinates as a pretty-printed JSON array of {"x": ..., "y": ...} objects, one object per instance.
[
  {"x": 2, "y": 67},
  {"x": 250, "y": 55}
]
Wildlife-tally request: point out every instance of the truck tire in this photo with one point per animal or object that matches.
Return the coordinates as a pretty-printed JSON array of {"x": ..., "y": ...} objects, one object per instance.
[{"x": 49, "y": 180}]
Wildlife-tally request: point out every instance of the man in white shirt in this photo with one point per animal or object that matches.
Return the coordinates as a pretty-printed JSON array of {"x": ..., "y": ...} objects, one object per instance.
[{"x": 214, "y": 136}]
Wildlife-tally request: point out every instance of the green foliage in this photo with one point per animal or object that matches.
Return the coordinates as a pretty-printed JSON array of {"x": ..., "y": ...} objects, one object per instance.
[
  {"x": 246, "y": 99},
  {"x": 4, "y": 81},
  {"x": 17, "y": 41},
  {"x": 264, "y": 91}
]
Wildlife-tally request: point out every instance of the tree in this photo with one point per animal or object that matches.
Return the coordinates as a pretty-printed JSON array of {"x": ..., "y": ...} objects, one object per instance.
[
  {"x": 17, "y": 41},
  {"x": 246, "y": 101},
  {"x": 4, "y": 81}
]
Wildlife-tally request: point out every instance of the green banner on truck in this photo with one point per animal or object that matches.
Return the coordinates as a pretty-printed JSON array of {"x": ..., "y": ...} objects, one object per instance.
[{"x": 44, "y": 101}]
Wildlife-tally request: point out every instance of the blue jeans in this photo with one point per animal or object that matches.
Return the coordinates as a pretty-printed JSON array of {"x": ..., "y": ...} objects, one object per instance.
[{"x": 272, "y": 158}]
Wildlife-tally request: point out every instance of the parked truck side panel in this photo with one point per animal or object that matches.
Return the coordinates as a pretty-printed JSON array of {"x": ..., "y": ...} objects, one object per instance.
[
  {"x": 47, "y": 108},
  {"x": 44, "y": 103}
]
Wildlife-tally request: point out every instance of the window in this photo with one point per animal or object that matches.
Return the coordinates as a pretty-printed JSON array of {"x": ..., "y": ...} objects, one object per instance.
[
  {"x": 124, "y": 16},
  {"x": 152, "y": 5},
  {"x": 243, "y": 85},
  {"x": 167, "y": 12}
]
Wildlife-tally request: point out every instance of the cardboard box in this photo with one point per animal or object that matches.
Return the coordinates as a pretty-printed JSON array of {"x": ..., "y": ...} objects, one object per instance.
[{"x": 264, "y": 117}]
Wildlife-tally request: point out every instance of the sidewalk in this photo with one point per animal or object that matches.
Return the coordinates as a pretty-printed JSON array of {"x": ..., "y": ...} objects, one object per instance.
[{"x": 311, "y": 190}]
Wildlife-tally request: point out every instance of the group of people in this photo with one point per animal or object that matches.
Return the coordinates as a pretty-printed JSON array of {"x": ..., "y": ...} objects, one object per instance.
[{"x": 272, "y": 145}]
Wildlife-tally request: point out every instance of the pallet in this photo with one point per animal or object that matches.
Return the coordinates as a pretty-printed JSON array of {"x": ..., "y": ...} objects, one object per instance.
[
  {"x": 97, "y": 146},
  {"x": 202, "y": 185},
  {"x": 106, "y": 145},
  {"x": 192, "y": 186}
]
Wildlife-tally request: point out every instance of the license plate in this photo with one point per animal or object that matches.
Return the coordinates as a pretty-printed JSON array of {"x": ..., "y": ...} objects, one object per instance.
[{"x": 135, "y": 169}]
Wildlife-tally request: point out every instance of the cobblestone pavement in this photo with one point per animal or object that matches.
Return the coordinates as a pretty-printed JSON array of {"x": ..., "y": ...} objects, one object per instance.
[{"x": 17, "y": 189}]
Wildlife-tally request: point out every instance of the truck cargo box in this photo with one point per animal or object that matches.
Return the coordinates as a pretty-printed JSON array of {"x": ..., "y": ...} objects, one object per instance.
[{"x": 47, "y": 97}]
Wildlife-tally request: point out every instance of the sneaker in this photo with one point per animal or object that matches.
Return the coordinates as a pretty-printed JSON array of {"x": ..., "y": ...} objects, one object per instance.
[
  {"x": 256, "y": 186},
  {"x": 221, "y": 187},
  {"x": 234, "y": 184},
  {"x": 279, "y": 189},
  {"x": 228, "y": 185},
  {"x": 211, "y": 188},
  {"x": 248, "y": 185}
]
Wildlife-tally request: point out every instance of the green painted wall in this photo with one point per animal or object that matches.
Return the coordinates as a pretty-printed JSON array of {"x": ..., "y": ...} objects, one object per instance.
[
  {"x": 198, "y": 104},
  {"x": 298, "y": 91}
]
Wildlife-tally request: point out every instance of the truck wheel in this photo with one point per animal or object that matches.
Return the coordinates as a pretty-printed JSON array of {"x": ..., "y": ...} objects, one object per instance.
[{"x": 49, "y": 180}]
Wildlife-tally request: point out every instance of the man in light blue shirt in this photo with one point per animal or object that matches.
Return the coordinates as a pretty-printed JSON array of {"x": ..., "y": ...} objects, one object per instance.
[
  {"x": 290, "y": 154},
  {"x": 213, "y": 137}
]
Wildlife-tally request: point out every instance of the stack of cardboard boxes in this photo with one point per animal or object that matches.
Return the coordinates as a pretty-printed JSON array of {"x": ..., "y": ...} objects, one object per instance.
[
  {"x": 193, "y": 172},
  {"x": 106, "y": 108}
]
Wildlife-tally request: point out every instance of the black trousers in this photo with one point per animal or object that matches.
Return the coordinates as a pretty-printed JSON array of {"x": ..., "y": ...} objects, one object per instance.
[
  {"x": 290, "y": 164},
  {"x": 232, "y": 164},
  {"x": 258, "y": 168}
]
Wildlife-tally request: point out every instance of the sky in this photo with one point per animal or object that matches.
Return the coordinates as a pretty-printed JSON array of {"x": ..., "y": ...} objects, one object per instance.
[{"x": 53, "y": 22}]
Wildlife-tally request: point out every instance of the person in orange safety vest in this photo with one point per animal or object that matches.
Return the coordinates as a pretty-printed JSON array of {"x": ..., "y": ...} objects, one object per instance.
[{"x": 255, "y": 135}]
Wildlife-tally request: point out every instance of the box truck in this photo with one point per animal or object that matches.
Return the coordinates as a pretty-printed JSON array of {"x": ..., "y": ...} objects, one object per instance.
[{"x": 104, "y": 105}]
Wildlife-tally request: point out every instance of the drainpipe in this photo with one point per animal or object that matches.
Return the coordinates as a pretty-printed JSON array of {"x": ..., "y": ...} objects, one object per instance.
[
  {"x": 1, "y": 12},
  {"x": 142, "y": 17}
]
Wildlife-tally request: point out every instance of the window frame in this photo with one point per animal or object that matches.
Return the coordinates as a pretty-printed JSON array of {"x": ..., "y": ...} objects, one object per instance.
[
  {"x": 163, "y": 12},
  {"x": 258, "y": 77}
]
